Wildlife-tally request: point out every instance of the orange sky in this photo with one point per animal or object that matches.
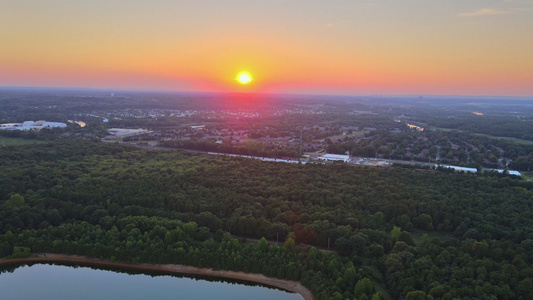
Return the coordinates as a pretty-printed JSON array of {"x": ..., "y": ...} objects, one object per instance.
[{"x": 482, "y": 47}]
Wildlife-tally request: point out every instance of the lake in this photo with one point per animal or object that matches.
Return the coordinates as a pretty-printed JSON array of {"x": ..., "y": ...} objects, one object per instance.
[{"x": 43, "y": 281}]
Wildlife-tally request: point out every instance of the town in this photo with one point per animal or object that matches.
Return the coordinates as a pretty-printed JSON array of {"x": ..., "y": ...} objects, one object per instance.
[{"x": 359, "y": 131}]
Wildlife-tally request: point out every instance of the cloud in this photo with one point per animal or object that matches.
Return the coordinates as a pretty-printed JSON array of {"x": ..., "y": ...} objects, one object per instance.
[
  {"x": 339, "y": 23},
  {"x": 483, "y": 12},
  {"x": 519, "y": 1},
  {"x": 522, "y": 9}
]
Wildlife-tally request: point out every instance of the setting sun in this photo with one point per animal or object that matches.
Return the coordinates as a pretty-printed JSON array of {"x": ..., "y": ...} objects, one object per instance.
[{"x": 244, "y": 78}]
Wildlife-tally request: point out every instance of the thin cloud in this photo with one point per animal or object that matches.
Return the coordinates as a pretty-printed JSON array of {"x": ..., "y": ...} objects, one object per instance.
[
  {"x": 519, "y": 1},
  {"x": 484, "y": 12},
  {"x": 522, "y": 9},
  {"x": 338, "y": 24}
]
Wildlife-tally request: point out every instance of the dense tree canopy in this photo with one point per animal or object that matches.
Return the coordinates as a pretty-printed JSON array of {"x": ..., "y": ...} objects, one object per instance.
[{"x": 396, "y": 233}]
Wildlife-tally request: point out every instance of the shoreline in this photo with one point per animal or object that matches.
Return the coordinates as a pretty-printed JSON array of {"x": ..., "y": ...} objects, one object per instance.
[{"x": 287, "y": 285}]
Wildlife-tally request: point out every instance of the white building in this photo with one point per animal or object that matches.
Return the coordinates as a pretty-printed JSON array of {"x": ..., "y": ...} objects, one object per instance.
[
  {"x": 54, "y": 125},
  {"x": 459, "y": 169},
  {"x": 334, "y": 157},
  {"x": 125, "y": 132},
  {"x": 11, "y": 126},
  {"x": 510, "y": 172},
  {"x": 32, "y": 125}
]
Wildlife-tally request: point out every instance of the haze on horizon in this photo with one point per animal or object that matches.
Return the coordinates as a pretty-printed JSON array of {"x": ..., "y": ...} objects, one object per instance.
[{"x": 477, "y": 47}]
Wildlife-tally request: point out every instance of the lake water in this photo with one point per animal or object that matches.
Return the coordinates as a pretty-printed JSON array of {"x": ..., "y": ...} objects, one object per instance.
[{"x": 42, "y": 281}]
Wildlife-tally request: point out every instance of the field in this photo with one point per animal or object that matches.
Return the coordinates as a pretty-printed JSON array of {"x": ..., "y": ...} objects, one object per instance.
[
  {"x": 506, "y": 138},
  {"x": 527, "y": 176}
]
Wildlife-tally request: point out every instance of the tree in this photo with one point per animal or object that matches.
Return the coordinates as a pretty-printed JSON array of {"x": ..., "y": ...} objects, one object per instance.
[
  {"x": 424, "y": 221},
  {"x": 396, "y": 233},
  {"x": 289, "y": 244},
  {"x": 262, "y": 245},
  {"x": 350, "y": 275},
  {"x": 15, "y": 201},
  {"x": 525, "y": 288},
  {"x": 437, "y": 291},
  {"x": 21, "y": 252},
  {"x": 363, "y": 287},
  {"x": 416, "y": 295}
]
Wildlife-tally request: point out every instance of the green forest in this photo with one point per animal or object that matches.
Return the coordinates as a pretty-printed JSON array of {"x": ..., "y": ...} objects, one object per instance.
[{"x": 345, "y": 232}]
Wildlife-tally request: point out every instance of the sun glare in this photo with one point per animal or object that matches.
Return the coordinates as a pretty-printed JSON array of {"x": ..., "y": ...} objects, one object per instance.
[{"x": 244, "y": 78}]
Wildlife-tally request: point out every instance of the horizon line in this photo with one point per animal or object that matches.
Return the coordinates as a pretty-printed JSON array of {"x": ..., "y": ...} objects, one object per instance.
[{"x": 163, "y": 91}]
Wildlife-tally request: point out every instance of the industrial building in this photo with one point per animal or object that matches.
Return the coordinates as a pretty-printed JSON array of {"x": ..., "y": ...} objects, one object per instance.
[
  {"x": 334, "y": 157},
  {"x": 116, "y": 133},
  {"x": 32, "y": 125},
  {"x": 510, "y": 172},
  {"x": 458, "y": 169}
]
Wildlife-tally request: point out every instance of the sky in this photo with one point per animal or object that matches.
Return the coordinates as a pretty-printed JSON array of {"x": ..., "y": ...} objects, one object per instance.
[{"x": 359, "y": 47}]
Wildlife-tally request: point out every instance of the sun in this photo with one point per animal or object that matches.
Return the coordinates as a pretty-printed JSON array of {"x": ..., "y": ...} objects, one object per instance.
[{"x": 244, "y": 78}]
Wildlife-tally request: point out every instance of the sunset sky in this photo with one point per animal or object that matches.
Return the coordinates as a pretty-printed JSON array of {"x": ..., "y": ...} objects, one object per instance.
[{"x": 361, "y": 47}]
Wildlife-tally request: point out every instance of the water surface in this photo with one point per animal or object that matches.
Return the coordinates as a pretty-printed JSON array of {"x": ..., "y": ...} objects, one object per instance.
[{"x": 54, "y": 282}]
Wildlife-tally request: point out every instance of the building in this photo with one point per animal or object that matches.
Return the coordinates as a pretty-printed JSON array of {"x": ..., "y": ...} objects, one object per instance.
[
  {"x": 54, "y": 125},
  {"x": 510, "y": 172},
  {"x": 458, "y": 169},
  {"x": 11, "y": 126},
  {"x": 32, "y": 125},
  {"x": 334, "y": 157},
  {"x": 116, "y": 133}
]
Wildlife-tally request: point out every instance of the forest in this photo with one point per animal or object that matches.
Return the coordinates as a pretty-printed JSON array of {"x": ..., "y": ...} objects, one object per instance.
[{"x": 345, "y": 232}]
